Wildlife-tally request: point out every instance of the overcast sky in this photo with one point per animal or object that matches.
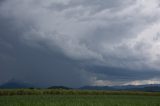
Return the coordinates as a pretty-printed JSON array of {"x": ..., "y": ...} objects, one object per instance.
[{"x": 80, "y": 42}]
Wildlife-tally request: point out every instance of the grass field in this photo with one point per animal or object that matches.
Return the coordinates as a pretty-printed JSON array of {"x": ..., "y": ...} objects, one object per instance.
[
  {"x": 80, "y": 100},
  {"x": 50, "y": 97},
  {"x": 11, "y": 92}
]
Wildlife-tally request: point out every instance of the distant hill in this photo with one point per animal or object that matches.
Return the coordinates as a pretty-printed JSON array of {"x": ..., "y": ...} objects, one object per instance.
[
  {"x": 13, "y": 84},
  {"x": 97, "y": 88},
  {"x": 59, "y": 87},
  {"x": 146, "y": 88}
]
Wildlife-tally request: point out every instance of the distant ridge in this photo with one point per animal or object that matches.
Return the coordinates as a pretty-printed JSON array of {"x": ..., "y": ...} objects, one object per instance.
[
  {"x": 146, "y": 88},
  {"x": 13, "y": 84},
  {"x": 97, "y": 88},
  {"x": 59, "y": 87}
]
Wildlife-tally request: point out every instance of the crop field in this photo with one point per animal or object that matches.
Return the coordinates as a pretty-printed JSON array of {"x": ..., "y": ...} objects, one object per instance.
[
  {"x": 77, "y": 98},
  {"x": 80, "y": 100}
]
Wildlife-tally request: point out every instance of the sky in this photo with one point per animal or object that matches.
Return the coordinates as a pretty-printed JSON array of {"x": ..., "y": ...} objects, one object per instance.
[{"x": 80, "y": 42}]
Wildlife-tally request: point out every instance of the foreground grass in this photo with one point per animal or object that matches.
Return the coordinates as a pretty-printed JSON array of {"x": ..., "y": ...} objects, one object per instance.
[
  {"x": 80, "y": 100},
  {"x": 59, "y": 97}
]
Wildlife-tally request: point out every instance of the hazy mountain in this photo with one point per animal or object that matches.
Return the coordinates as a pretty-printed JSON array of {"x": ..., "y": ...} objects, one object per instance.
[
  {"x": 59, "y": 87},
  {"x": 97, "y": 88},
  {"x": 12, "y": 84},
  {"x": 152, "y": 87}
]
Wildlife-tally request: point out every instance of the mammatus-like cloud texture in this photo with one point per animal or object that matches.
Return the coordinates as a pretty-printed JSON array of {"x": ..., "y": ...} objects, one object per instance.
[{"x": 118, "y": 34}]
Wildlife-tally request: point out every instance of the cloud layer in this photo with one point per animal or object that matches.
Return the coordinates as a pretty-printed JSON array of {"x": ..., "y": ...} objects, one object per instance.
[{"x": 113, "y": 35}]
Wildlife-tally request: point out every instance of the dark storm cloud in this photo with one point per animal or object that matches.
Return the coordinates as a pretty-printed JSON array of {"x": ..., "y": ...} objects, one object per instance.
[
  {"x": 74, "y": 43},
  {"x": 40, "y": 66},
  {"x": 6, "y": 50},
  {"x": 2, "y": 1},
  {"x": 111, "y": 73}
]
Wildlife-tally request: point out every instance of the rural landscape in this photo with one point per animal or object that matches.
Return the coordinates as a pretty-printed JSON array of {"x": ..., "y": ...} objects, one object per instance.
[
  {"x": 20, "y": 94},
  {"x": 37, "y": 97},
  {"x": 25, "y": 97},
  {"x": 79, "y": 52}
]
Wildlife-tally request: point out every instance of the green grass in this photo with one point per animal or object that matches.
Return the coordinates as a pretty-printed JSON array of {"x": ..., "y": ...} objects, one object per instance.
[
  {"x": 11, "y": 92},
  {"x": 80, "y": 100},
  {"x": 59, "y": 97}
]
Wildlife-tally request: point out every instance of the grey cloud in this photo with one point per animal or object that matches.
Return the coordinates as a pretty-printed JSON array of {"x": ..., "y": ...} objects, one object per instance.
[
  {"x": 41, "y": 67},
  {"x": 36, "y": 64},
  {"x": 106, "y": 34},
  {"x": 120, "y": 74}
]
